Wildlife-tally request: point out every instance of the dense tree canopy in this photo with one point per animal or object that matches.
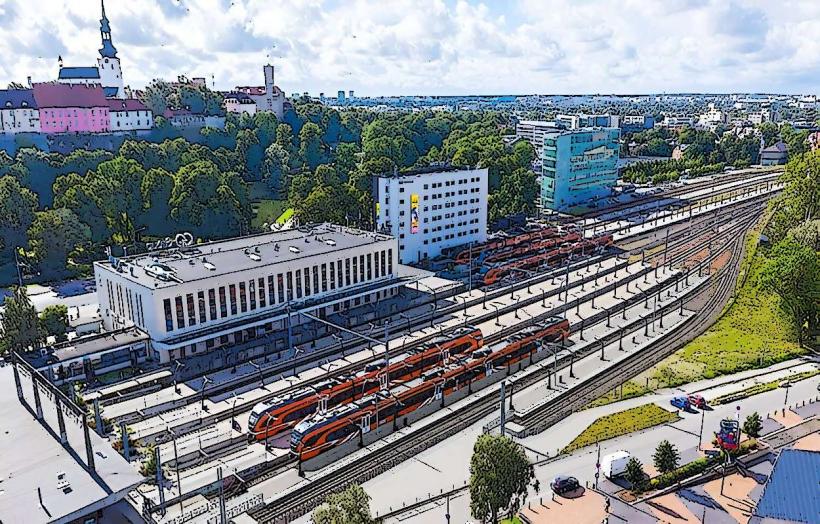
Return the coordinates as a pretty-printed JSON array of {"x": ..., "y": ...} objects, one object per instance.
[
  {"x": 351, "y": 506},
  {"x": 20, "y": 325},
  {"x": 500, "y": 476}
]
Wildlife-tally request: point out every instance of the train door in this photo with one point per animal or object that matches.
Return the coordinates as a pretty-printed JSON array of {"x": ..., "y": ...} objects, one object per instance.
[
  {"x": 445, "y": 356},
  {"x": 488, "y": 368},
  {"x": 365, "y": 423},
  {"x": 439, "y": 391},
  {"x": 322, "y": 407},
  {"x": 383, "y": 381}
]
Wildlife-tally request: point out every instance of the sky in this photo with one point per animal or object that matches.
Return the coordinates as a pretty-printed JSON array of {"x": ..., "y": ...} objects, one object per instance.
[{"x": 431, "y": 47}]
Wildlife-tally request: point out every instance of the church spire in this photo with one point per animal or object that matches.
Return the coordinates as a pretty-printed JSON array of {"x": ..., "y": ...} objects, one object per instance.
[{"x": 108, "y": 50}]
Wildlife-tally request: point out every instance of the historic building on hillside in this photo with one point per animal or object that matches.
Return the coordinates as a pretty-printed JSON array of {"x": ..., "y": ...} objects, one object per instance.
[{"x": 107, "y": 72}]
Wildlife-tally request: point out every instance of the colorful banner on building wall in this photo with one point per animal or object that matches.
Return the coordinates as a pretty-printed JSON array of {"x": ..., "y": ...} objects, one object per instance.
[{"x": 414, "y": 213}]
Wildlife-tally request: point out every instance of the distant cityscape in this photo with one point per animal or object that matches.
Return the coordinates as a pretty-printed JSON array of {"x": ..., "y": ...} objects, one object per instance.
[{"x": 241, "y": 306}]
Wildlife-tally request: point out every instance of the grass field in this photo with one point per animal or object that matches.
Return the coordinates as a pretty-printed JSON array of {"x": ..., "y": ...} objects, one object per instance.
[
  {"x": 752, "y": 333},
  {"x": 267, "y": 211},
  {"x": 621, "y": 423}
]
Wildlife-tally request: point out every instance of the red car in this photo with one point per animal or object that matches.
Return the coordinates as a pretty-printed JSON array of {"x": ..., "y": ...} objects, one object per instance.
[{"x": 697, "y": 401}]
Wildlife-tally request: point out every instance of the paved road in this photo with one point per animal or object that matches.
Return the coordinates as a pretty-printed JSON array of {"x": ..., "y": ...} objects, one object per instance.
[{"x": 448, "y": 463}]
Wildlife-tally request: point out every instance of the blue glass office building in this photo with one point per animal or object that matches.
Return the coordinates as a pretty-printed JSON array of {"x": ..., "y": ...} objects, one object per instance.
[{"x": 579, "y": 167}]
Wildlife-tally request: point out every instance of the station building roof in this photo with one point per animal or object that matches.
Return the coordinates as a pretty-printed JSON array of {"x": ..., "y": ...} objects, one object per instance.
[
  {"x": 203, "y": 261},
  {"x": 33, "y": 460}
]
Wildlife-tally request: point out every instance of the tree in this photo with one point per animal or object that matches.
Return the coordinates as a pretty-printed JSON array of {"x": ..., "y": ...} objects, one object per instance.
[
  {"x": 275, "y": 164},
  {"x": 346, "y": 158},
  {"x": 524, "y": 154},
  {"x": 54, "y": 321},
  {"x": 752, "y": 425},
  {"x": 666, "y": 457},
  {"x": 208, "y": 203},
  {"x": 21, "y": 328},
  {"x": 17, "y": 207},
  {"x": 310, "y": 145},
  {"x": 156, "y": 189},
  {"x": 500, "y": 474},
  {"x": 769, "y": 132},
  {"x": 635, "y": 474},
  {"x": 351, "y": 506},
  {"x": 72, "y": 192},
  {"x": 54, "y": 235},
  {"x": 251, "y": 153},
  {"x": 793, "y": 274},
  {"x": 806, "y": 234},
  {"x": 116, "y": 185},
  {"x": 265, "y": 124},
  {"x": 284, "y": 138}
]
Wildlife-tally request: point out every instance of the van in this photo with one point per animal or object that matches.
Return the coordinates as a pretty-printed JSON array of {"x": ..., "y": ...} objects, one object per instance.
[{"x": 614, "y": 464}]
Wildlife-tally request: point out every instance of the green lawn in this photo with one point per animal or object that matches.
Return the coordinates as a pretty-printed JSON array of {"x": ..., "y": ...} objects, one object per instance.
[
  {"x": 621, "y": 423},
  {"x": 514, "y": 520},
  {"x": 267, "y": 211},
  {"x": 752, "y": 333}
]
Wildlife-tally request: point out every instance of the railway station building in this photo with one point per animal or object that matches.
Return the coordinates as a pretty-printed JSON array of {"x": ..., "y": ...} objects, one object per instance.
[
  {"x": 431, "y": 209},
  {"x": 193, "y": 299}
]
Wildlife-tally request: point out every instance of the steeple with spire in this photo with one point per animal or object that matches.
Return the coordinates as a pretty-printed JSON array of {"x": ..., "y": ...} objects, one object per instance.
[{"x": 108, "y": 50}]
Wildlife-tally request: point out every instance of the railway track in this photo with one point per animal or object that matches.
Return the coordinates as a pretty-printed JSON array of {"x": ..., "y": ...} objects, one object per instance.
[
  {"x": 344, "y": 346},
  {"x": 603, "y": 382},
  {"x": 695, "y": 186},
  {"x": 386, "y": 457}
]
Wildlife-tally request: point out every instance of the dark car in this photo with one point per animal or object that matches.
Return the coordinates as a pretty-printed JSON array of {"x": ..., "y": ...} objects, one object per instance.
[
  {"x": 697, "y": 401},
  {"x": 562, "y": 484}
]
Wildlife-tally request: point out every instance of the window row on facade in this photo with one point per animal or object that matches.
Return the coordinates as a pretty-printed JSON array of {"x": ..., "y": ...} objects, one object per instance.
[{"x": 273, "y": 290}]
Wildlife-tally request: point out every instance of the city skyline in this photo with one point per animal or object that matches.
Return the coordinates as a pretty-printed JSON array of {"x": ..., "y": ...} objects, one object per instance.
[{"x": 437, "y": 47}]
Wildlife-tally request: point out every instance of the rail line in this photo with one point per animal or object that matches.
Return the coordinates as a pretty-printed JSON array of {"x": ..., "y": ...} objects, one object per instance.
[{"x": 386, "y": 457}]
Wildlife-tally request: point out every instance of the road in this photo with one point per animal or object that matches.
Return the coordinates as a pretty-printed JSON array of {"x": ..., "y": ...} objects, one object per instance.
[{"x": 447, "y": 464}]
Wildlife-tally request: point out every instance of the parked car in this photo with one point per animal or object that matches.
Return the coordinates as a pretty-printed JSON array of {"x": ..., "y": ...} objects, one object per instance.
[
  {"x": 563, "y": 484},
  {"x": 680, "y": 402},
  {"x": 614, "y": 464},
  {"x": 697, "y": 401}
]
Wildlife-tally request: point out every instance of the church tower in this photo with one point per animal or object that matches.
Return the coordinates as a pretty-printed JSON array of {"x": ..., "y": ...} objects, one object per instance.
[{"x": 108, "y": 63}]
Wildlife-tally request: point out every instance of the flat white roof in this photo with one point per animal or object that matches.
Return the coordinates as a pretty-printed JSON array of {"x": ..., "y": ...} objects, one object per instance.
[
  {"x": 201, "y": 261},
  {"x": 32, "y": 459}
]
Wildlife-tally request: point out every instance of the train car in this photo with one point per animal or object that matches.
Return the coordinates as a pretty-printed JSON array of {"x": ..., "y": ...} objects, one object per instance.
[
  {"x": 319, "y": 433},
  {"x": 550, "y": 257},
  {"x": 270, "y": 418},
  {"x": 476, "y": 252},
  {"x": 533, "y": 247}
]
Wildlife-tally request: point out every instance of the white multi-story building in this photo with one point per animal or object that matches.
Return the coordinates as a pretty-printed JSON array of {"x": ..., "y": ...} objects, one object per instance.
[
  {"x": 129, "y": 115},
  {"x": 712, "y": 117},
  {"x": 432, "y": 209},
  {"x": 244, "y": 291},
  {"x": 240, "y": 103},
  {"x": 533, "y": 131},
  {"x": 18, "y": 111},
  {"x": 268, "y": 97}
]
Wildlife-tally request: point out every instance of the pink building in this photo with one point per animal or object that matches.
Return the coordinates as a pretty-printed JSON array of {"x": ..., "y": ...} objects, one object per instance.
[{"x": 72, "y": 108}]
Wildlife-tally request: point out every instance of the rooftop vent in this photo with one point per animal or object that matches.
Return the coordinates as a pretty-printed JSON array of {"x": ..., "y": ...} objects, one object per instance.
[
  {"x": 294, "y": 249},
  {"x": 254, "y": 257},
  {"x": 330, "y": 242},
  {"x": 209, "y": 266}
]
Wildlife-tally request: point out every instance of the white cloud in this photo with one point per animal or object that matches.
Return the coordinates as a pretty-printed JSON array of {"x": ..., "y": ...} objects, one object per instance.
[{"x": 433, "y": 46}]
